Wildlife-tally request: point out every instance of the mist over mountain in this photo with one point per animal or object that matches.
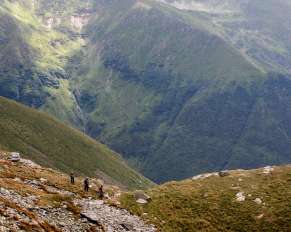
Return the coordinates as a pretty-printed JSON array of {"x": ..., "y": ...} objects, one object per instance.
[{"x": 176, "y": 87}]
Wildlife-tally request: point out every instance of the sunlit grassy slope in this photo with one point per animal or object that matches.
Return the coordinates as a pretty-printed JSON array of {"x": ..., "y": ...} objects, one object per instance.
[
  {"x": 51, "y": 143},
  {"x": 34, "y": 56},
  {"x": 210, "y": 204}
]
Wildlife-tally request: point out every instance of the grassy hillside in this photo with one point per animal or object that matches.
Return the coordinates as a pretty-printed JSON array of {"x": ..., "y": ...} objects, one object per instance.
[
  {"x": 45, "y": 140},
  {"x": 34, "y": 55},
  {"x": 177, "y": 91},
  {"x": 210, "y": 204}
]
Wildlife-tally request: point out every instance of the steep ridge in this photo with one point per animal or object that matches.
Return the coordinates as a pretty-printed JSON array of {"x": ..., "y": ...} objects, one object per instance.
[
  {"x": 260, "y": 31},
  {"x": 51, "y": 143}
]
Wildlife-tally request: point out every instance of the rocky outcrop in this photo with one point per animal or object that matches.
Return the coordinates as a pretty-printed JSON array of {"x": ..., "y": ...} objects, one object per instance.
[
  {"x": 111, "y": 218},
  {"x": 205, "y": 175},
  {"x": 141, "y": 197},
  {"x": 33, "y": 200}
]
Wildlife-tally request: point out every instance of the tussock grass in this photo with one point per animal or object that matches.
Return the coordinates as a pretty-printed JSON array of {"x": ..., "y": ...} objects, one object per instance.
[{"x": 210, "y": 205}]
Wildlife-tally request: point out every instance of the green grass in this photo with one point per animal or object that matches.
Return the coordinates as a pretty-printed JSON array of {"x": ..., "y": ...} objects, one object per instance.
[
  {"x": 157, "y": 84},
  {"x": 45, "y": 140},
  {"x": 62, "y": 104},
  {"x": 40, "y": 39},
  {"x": 34, "y": 57},
  {"x": 210, "y": 205},
  {"x": 150, "y": 78}
]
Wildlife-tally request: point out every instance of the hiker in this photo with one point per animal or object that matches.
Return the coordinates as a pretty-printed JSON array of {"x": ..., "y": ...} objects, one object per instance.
[
  {"x": 72, "y": 176},
  {"x": 101, "y": 192},
  {"x": 86, "y": 184}
]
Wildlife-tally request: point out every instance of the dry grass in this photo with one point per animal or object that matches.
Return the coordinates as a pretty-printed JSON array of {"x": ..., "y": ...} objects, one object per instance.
[
  {"x": 41, "y": 224},
  {"x": 210, "y": 205}
]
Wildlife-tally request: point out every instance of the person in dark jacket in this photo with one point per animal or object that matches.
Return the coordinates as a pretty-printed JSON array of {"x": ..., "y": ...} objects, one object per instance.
[
  {"x": 86, "y": 184},
  {"x": 101, "y": 192},
  {"x": 72, "y": 176}
]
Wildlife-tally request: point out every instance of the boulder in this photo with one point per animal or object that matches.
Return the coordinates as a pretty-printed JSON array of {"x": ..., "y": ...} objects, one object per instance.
[
  {"x": 223, "y": 173},
  {"x": 141, "y": 201},
  {"x": 141, "y": 195},
  {"x": 14, "y": 156},
  {"x": 204, "y": 176},
  {"x": 258, "y": 201},
  {"x": 30, "y": 163},
  {"x": 240, "y": 197},
  {"x": 268, "y": 170}
]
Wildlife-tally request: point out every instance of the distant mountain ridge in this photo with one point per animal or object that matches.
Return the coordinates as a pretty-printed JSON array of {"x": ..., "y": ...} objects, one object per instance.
[
  {"x": 176, "y": 90},
  {"x": 260, "y": 31}
]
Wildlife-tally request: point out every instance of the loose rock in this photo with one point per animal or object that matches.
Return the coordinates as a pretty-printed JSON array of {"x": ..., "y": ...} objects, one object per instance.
[
  {"x": 113, "y": 219},
  {"x": 258, "y": 201},
  {"x": 203, "y": 176},
  {"x": 268, "y": 169},
  {"x": 240, "y": 197},
  {"x": 223, "y": 173}
]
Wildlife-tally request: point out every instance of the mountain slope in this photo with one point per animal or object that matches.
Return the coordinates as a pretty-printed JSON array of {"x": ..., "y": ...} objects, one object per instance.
[
  {"x": 175, "y": 90},
  {"x": 260, "y": 31},
  {"x": 174, "y": 97},
  {"x": 42, "y": 199},
  {"x": 253, "y": 200},
  {"x": 34, "y": 55},
  {"x": 51, "y": 143}
]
